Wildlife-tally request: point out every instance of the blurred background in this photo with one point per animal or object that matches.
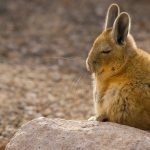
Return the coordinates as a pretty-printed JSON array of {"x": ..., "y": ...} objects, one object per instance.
[{"x": 43, "y": 48}]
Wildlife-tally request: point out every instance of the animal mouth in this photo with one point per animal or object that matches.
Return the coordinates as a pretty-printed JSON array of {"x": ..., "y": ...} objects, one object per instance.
[{"x": 100, "y": 72}]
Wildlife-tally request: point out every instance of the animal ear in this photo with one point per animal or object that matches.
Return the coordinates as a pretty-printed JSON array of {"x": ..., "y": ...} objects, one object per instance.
[
  {"x": 121, "y": 28},
  {"x": 112, "y": 13}
]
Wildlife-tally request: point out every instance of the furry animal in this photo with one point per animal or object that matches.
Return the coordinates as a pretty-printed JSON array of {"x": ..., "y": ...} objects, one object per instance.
[{"x": 121, "y": 74}]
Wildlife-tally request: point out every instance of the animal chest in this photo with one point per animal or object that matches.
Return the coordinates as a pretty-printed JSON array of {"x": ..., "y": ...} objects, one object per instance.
[{"x": 107, "y": 97}]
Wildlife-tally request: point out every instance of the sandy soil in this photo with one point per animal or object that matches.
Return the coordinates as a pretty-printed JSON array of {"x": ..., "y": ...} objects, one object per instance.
[{"x": 43, "y": 48}]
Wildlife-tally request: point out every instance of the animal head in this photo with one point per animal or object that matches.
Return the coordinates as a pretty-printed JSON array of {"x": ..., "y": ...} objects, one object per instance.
[{"x": 114, "y": 45}]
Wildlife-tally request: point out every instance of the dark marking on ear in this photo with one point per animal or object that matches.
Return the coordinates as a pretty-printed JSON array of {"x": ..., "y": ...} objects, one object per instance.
[
  {"x": 120, "y": 40},
  {"x": 121, "y": 28}
]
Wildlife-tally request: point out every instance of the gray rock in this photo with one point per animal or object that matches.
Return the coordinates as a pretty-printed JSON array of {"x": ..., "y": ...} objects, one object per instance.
[{"x": 58, "y": 134}]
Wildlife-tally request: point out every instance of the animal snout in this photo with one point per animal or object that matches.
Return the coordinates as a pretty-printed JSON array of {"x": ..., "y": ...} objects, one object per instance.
[{"x": 90, "y": 64}]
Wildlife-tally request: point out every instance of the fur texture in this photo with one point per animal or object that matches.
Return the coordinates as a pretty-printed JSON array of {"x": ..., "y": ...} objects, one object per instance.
[{"x": 121, "y": 75}]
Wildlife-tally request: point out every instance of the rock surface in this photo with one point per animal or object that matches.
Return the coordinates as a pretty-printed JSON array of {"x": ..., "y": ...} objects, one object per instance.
[{"x": 58, "y": 134}]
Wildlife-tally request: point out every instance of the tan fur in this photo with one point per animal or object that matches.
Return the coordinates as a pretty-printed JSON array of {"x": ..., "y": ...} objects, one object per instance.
[{"x": 121, "y": 81}]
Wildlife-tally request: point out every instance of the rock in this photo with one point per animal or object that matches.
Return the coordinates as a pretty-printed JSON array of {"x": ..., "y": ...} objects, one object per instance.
[{"x": 58, "y": 134}]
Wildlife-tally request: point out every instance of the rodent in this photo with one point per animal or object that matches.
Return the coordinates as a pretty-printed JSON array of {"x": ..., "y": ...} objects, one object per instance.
[{"x": 121, "y": 74}]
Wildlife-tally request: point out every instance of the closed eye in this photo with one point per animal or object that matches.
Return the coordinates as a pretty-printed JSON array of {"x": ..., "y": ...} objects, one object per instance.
[{"x": 106, "y": 52}]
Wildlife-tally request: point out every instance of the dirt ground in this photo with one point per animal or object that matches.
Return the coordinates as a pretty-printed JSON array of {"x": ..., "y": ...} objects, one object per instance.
[{"x": 43, "y": 48}]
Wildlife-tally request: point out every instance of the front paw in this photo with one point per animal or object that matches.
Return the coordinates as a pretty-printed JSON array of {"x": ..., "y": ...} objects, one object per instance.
[
  {"x": 93, "y": 118},
  {"x": 101, "y": 118}
]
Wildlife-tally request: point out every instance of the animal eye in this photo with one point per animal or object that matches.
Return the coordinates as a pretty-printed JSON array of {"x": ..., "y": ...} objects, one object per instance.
[{"x": 106, "y": 51}]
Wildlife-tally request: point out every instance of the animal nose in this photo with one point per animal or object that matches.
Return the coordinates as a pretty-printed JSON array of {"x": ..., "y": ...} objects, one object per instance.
[{"x": 88, "y": 65}]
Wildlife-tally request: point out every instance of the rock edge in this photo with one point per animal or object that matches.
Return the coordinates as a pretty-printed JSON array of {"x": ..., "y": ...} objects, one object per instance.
[{"x": 59, "y": 134}]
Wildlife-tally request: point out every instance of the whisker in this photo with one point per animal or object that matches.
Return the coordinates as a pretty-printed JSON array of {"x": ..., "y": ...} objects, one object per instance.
[
  {"x": 76, "y": 83},
  {"x": 66, "y": 58}
]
